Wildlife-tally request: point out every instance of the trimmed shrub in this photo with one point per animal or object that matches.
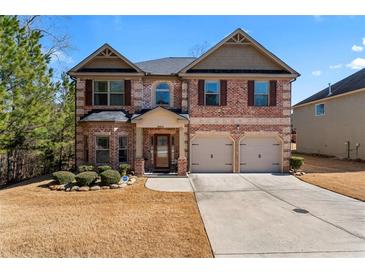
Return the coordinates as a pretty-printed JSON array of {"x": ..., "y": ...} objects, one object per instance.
[
  {"x": 84, "y": 168},
  {"x": 124, "y": 169},
  {"x": 296, "y": 162},
  {"x": 86, "y": 178},
  {"x": 110, "y": 177},
  {"x": 103, "y": 168},
  {"x": 63, "y": 177}
]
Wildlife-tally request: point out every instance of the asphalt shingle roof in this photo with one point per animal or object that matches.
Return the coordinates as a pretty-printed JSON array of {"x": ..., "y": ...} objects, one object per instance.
[
  {"x": 353, "y": 82},
  {"x": 165, "y": 66},
  {"x": 105, "y": 116}
]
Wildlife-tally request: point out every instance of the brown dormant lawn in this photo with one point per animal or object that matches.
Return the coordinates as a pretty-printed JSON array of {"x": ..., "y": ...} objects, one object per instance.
[
  {"x": 341, "y": 176},
  {"x": 130, "y": 222}
]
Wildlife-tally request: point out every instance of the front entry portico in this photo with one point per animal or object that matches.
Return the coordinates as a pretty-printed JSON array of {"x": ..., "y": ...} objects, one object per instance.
[{"x": 161, "y": 142}]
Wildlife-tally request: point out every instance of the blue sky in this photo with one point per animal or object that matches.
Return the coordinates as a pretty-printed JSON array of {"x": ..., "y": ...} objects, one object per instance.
[{"x": 321, "y": 48}]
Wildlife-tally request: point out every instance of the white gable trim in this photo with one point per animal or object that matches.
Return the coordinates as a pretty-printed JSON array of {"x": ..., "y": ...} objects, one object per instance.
[
  {"x": 251, "y": 40},
  {"x": 99, "y": 50}
]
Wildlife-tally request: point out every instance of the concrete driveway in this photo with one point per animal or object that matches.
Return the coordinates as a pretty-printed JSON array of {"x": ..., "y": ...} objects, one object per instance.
[{"x": 266, "y": 215}]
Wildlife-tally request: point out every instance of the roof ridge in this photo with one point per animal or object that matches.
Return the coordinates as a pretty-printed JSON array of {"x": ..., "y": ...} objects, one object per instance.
[
  {"x": 353, "y": 78},
  {"x": 175, "y": 57}
]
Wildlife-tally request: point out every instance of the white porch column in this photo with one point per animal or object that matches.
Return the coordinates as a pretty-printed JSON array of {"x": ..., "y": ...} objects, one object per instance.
[{"x": 139, "y": 143}]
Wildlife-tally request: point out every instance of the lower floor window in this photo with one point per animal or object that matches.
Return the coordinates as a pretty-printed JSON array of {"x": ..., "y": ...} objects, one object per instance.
[
  {"x": 102, "y": 150},
  {"x": 123, "y": 149}
]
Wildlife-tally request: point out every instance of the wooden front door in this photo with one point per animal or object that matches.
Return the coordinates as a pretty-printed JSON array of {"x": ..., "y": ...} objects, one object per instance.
[{"x": 162, "y": 151}]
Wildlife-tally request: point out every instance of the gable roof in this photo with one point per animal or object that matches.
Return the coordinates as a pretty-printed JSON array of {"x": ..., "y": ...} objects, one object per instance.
[
  {"x": 353, "y": 82},
  {"x": 244, "y": 36},
  {"x": 165, "y": 66},
  {"x": 168, "y": 111},
  {"x": 100, "y": 50}
]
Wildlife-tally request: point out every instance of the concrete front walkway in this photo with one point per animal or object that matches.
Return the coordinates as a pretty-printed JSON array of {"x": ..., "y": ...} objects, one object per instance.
[
  {"x": 265, "y": 215},
  {"x": 169, "y": 184}
]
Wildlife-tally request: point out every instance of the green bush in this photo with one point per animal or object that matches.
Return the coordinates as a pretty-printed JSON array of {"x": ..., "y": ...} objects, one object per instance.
[
  {"x": 124, "y": 169},
  {"x": 109, "y": 177},
  {"x": 63, "y": 177},
  {"x": 103, "y": 168},
  {"x": 84, "y": 168},
  {"x": 296, "y": 162},
  {"x": 86, "y": 178}
]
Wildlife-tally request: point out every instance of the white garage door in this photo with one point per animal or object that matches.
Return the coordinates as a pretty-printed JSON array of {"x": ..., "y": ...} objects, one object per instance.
[
  {"x": 211, "y": 154},
  {"x": 260, "y": 154}
]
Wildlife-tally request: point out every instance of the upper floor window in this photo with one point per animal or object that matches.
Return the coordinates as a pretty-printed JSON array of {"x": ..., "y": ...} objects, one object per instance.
[
  {"x": 211, "y": 93},
  {"x": 319, "y": 109},
  {"x": 109, "y": 93},
  {"x": 261, "y": 94},
  {"x": 163, "y": 94}
]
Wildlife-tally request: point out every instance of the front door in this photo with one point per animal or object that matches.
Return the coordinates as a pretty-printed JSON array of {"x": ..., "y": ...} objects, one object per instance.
[{"x": 162, "y": 152}]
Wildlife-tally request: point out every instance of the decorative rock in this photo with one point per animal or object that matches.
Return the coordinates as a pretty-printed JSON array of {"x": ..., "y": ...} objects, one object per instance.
[
  {"x": 84, "y": 188},
  {"x": 95, "y": 188},
  {"x": 53, "y": 187},
  {"x": 105, "y": 187},
  {"x": 131, "y": 181},
  {"x": 75, "y": 188},
  {"x": 122, "y": 185},
  {"x": 68, "y": 189},
  {"x": 114, "y": 186},
  {"x": 61, "y": 187}
]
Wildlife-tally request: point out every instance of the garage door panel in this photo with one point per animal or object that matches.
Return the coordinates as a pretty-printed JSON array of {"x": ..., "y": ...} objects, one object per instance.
[
  {"x": 260, "y": 154},
  {"x": 212, "y": 154}
]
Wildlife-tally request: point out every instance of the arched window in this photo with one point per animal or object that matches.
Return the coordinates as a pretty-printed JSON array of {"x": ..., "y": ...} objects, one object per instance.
[{"x": 163, "y": 94}]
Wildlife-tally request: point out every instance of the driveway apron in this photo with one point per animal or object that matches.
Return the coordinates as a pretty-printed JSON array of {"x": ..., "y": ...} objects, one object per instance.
[{"x": 268, "y": 215}]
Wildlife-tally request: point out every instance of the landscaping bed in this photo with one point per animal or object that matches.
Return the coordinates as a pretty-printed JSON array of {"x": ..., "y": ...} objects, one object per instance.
[
  {"x": 129, "y": 222},
  {"x": 341, "y": 176}
]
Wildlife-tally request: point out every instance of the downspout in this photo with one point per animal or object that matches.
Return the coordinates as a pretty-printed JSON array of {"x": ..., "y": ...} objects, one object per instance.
[
  {"x": 75, "y": 145},
  {"x": 291, "y": 114}
]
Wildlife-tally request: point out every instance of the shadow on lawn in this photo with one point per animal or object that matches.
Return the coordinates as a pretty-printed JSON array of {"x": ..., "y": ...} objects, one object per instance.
[
  {"x": 324, "y": 164},
  {"x": 28, "y": 181}
]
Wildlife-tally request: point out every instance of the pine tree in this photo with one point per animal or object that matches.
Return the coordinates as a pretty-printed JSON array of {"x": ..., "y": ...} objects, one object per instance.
[
  {"x": 26, "y": 91},
  {"x": 61, "y": 132}
]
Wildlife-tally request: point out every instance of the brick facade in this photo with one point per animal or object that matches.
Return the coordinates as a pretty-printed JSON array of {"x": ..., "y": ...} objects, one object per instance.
[
  {"x": 237, "y": 119},
  {"x": 88, "y": 133}
]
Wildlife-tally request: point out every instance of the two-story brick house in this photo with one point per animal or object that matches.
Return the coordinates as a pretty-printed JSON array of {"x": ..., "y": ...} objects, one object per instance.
[{"x": 225, "y": 111}]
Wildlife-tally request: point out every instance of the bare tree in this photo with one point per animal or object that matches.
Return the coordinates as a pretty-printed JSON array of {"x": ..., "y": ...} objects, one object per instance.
[
  {"x": 199, "y": 49},
  {"x": 56, "y": 42}
]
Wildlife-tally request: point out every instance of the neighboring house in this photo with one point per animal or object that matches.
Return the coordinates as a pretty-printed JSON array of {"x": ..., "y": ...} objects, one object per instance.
[
  {"x": 332, "y": 121},
  {"x": 226, "y": 111}
]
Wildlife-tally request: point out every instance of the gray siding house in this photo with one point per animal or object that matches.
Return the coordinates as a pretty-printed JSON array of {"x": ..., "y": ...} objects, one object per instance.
[{"x": 332, "y": 121}]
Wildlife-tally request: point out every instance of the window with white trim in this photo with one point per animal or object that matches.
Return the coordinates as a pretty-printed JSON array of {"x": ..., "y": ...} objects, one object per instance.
[
  {"x": 123, "y": 149},
  {"x": 163, "y": 94},
  {"x": 211, "y": 93},
  {"x": 261, "y": 94},
  {"x": 102, "y": 150},
  {"x": 319, "y": 109},
  {"x": 109, "y": 93}
]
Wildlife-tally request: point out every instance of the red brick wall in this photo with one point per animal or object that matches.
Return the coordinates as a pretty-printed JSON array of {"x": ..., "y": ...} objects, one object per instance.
[
  {"x": 113, "y": 130},
  {"x": 237, "y": 92},
  {"x": 142, "y": 94}
]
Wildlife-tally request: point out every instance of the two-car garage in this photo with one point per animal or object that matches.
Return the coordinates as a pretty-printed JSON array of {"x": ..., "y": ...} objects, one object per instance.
[{"x": 215, "y": 153}]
